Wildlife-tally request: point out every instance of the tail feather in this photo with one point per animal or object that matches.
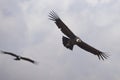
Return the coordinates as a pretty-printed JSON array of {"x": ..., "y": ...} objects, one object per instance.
[{"x": 66, "y": 43}]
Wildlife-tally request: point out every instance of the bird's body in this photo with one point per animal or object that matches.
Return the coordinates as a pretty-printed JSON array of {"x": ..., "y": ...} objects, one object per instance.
[
  {"x": 72, "y": 39},
  {"x": 69, "y": 43},
  {"x": 18, "y": 57}
]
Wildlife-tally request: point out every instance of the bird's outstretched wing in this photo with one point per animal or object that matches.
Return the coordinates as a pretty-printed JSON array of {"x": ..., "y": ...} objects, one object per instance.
[
  {"x": 9, "y": 53},
  {"x": 30, "y": 60},
  {"x": 85, "y": 46},
  {"x": 53, "y": 16}
]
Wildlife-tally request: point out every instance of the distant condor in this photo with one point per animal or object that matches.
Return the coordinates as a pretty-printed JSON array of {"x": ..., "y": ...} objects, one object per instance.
[
  {"x": 72, "y": 39},
  {"x": 17, "y": 57}
]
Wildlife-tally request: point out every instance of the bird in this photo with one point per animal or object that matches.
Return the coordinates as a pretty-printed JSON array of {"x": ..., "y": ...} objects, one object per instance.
[
  {"x": 70, "y": 39},
  {"x": 18, "y": 57}
]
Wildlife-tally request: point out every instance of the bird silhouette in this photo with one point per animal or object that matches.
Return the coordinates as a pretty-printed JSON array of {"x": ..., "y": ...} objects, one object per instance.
[
  {"x": 18, "y": 57},
  {"x": 72, "y": 39}
]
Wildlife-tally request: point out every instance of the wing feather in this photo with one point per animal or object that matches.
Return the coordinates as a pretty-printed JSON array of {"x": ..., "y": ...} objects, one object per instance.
[
  {"x": 9, "y": 53},
  {"x": 53, "y": 16},
  {"x": 85, "y": 46},
  {"x": 28, "y": 59}
]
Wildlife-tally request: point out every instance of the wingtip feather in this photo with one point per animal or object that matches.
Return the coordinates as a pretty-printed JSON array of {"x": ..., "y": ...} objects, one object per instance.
[
  {"x": 102, "y": 56},
  {"x": 53, "y": 16},
  {"x": 36, "y": 63}
]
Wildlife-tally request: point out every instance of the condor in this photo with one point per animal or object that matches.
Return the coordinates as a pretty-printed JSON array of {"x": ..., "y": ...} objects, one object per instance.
[
  {"x": 17, "y": 57},
  {"x": 72, "y": 39}
]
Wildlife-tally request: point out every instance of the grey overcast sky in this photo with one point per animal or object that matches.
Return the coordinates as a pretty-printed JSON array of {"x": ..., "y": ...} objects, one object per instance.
[{"x": 26, "y": 30}]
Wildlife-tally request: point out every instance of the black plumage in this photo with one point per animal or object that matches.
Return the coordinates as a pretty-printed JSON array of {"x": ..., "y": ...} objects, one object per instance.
[
  {"x": 18, "y": 57},
  {"x": 72, "y": 39}
]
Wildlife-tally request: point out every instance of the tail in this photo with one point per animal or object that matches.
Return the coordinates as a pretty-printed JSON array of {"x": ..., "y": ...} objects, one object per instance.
[{"x": 66, "y": 43}]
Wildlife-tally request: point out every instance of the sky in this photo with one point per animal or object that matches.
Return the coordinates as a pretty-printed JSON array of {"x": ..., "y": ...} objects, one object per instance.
[{"x": 26, "y": 30}]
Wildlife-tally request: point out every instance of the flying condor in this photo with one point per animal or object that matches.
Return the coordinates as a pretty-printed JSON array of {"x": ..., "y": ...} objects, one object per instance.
[
  {"x": 72, "y": 39},
  {"x": 17, "y": 57}
]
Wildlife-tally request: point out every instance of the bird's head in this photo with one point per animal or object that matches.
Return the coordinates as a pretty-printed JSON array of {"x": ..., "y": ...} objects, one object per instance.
[
  {"x": 17, "y": 58},
  {"x": 78, "y": 39}
]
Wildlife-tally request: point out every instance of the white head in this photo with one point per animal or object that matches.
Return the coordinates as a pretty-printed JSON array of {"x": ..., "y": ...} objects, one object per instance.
[{"x": 78, "y": 40}]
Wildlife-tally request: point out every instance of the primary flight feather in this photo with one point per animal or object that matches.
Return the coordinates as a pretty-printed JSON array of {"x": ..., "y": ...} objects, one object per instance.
[{"x": 72, "y": 39}]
